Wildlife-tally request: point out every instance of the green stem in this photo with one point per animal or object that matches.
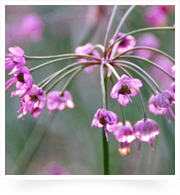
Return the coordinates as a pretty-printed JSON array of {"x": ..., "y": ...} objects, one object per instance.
[
  {"x": 60, "y": 56},
  {"x": 105, "y": 142},
  {"x": 150, "y": 62},
  {"x": 139, "y": 31},
  {"x": 144, "y": 72},
  {"x": 109, "y": 25},
  {"x": 146, "y": 48}
]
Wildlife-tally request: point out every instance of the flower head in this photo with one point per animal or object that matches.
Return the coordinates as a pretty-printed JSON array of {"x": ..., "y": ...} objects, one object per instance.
[
  {"x": 124, "y": 135},
  {"x": 16, "y": 58},
  {"x": 32, "y": 102},
  {"x": 22, "y": 78},
  {"x": 106, "y": 119},
  {"x": 87, "y": 49},
  {"x": 146, "y": 130},
  {"x": 125, "y": 88},
  {"x": 125, "y": 44},
  {"x": 57, "y": 100}
]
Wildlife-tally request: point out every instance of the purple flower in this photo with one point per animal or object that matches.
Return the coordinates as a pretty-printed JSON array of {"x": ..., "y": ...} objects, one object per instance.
[
  {"x": 22, "y": 78},
  {"x": 32, "y": 102},
  {"x": 148, "y": 40},
  {"x": 106, "y": 119},
  {"x": 146, "y": 130},
  {"x": 125, "y": 88},
  {"x": 173, "y": 71},
  {"x": 155, "y": 16},
  {"x": 16, "y": 58},
  {"x": 125, "y": 44},
  {"x": 124, "y": 135},
  {"x": 87, "y": 49},
  {"x": 57, "y": 100},
  {"x": 32, "y": 27}
]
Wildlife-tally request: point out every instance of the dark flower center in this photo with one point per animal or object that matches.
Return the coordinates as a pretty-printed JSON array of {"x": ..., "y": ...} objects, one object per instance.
[
  {"x": 102, "y": 121},
  {"x": 124, "y": 90},
  {"x": 33, "y": 97},
  {"x": 21, "y": 77}
]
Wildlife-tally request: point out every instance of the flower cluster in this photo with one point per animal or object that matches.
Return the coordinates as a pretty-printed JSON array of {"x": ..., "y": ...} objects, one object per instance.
[{"x": 110, "y": 59}]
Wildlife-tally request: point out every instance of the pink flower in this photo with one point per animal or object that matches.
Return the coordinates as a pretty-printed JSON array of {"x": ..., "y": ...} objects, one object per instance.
[
  {"x": 155, "y": 16},
  {"x": 22, "y": 78},
  {"x": 146, "y": 130},
  {"x": 125, "y": 88},
  {"x": 148, "y": 40},
  {"x": 16, "y": 58},
  {"x": 32, "y": 27},
  {"x": 56, "y": 100},
  {"x": 87, "y": 49},
  {"x": 32, "y": 102},
  {"x": 167, "y": 8},
  {"x": 124, "y": 135},
  {"x": 125, "y": 44},
  {"x": 106, "y": 119}
]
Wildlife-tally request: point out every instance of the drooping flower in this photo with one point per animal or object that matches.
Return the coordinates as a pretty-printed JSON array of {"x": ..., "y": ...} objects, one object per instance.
[
  {"x": 146, "y": 130},
  {"x": 148, "y": 40},
  {"x": 57, "y": 100},
  {"x": 22, "y": 78},
  {"x": 16, "y": 58},
  {"x": 87, "y": 49},
  {"x": 106, "y": 119},
  {"x": 124, "y": 135},
  {"x": 32, "y": 102},
  {"x": 125, "y": 44},
  {"x": 124, "y": 88}
]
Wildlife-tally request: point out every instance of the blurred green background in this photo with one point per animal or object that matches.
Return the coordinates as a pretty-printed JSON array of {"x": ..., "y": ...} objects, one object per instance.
[{"x": 66, "y": 139}]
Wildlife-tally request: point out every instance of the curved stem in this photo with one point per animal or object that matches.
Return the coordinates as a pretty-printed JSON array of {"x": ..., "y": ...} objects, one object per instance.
[
  {"x": 108, "y": 28},
  {"x": 150, "y": 62},
  {"x": 144, "y": 72},
  {"x": 114, "y": 71},
  {"x": 146, "y": 48},
  {"x": 60, "y": 56},
  {"x": 123, "y": 20},
  {"x": 63, "y": 76},
  {"x": 139, "y": 31}
]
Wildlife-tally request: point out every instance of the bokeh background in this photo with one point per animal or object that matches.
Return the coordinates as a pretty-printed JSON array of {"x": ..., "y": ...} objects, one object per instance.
[{"x": 64, "y": 142}]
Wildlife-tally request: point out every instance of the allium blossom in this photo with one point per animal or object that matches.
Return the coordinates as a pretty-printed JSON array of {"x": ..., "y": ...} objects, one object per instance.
[
  {"x": 32, "y": 102},
  {"x": 87, "y": 49},
  {"x": 22, "y": 78},
  {"x": 16, "y": 58},
  {"x": 124, "y": 135},
  {"x": 146, "y": 130},
  {"x": 57, "y": 100},
  {"x": 106, "y": 119},
  {"x": 124, "y": 88},
  {"x": 125, "y": 44}
]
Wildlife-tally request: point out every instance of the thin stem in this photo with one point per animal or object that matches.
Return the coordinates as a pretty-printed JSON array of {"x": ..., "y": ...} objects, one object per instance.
[
  {"x": 60, "y": 56},
  {"x": 146, "y": 48},
  {"x": 108, "y": 28},
  {"x": 150, "y": 62},
  {"x": 144, "y": 72},
  {"x": 141, "y": 76},
  {"x": 63, "y": 76},
  {"x": 139, "y": 31},
  {"x": 46, "y": 81},
  {"x": 141, "y": 98},
  {"x": 105, "y": 142},
  {"x": 114, "y": 71},
  {"x": 70, "y": 79},
  {"x": 123, "y": 20}
]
